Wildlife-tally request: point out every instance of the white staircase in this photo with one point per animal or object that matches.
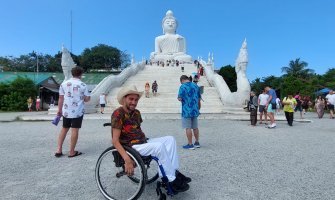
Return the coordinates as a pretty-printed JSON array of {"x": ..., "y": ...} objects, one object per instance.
[{"x": 168, "y": 85}]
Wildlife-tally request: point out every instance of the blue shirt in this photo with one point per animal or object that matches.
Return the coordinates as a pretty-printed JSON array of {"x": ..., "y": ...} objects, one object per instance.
[
  {"x": 190, "y": 94},
  {"x": 272, "y": 93}
]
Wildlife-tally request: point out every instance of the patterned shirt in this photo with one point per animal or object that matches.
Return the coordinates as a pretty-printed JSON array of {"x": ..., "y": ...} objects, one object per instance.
[
  {"x": 74, "y": 91},
  {"x": 130, "y": 126},
  {"x": 190, "y": 94}
]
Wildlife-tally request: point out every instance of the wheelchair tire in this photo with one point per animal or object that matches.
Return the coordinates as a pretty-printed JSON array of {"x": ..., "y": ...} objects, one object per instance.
[
  {"x": 150, "y": 177},
  {"x": 113, "y": 183}
]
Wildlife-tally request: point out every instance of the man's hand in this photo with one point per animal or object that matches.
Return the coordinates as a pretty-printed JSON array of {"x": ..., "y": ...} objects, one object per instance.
[
  {"x": 129, "y": 167},
  {"x": 59, "y": 113},
  {"x": 129, "y": 163}
]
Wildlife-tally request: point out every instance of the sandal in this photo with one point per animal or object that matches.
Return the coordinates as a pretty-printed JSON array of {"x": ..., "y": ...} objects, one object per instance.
[
  {"x": 58, "y": 154},
  {"x": 76, "y": 153}
]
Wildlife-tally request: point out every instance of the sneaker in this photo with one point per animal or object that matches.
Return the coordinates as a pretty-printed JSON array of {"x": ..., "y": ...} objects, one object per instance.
[
  {"x": 179, "y": 186},
  {"x": 188, "y": 146},
  {"x": 272, "y": 126},
  {"x": 183, "y": 177},
  {"x": 196, "y": 145}
]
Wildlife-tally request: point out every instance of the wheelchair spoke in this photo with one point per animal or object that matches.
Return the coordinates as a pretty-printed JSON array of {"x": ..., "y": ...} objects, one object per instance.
[{"x": 113, "y": 182}]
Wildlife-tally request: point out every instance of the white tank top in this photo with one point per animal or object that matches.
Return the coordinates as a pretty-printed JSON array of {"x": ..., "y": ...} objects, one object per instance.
[{"x": 102, "y": 99}]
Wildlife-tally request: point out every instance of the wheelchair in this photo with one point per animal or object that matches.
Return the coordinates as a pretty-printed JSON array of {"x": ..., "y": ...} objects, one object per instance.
[{"x": 115, "y": 184}]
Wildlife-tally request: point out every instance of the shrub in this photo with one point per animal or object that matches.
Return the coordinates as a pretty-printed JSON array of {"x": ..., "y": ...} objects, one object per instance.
[{"x": 14, "y": 95}]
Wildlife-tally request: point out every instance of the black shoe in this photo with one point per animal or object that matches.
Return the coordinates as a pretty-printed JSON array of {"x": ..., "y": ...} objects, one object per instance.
[
  {"x": 183, "y": 177},
  {"x": 179, "y": 186}
]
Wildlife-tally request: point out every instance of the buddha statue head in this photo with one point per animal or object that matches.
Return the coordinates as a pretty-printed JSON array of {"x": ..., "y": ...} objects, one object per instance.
[{"x": 169, "y": 23}]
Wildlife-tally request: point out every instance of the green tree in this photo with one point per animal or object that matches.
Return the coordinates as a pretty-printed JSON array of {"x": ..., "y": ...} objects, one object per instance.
[
  {"x": 5, "y": 62},
  {"x": 228, "y": 73},
  {"x": 54, "y": 62},
  {"x": 297, "y": 69},
  {"x": 329, "y": 78},
  {"x": 272, "y": 81},
  {"x": 101, "y": 57},
  {"x": 291, "y": 85},
  {"x": 257, "y": 85},
  {"x": 14, "y": 95}
]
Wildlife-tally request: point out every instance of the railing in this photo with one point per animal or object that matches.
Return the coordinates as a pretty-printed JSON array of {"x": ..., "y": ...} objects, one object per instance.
[
  {"x": 111, "y": 82},
  {"x": 218, "y": 82}
]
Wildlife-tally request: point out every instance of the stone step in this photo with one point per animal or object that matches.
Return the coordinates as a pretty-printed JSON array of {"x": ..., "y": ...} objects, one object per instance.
[{"x": 168, "y": 86}]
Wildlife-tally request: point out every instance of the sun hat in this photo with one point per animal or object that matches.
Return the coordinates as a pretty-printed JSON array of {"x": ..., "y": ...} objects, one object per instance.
[{"x": 127, "y": 90}]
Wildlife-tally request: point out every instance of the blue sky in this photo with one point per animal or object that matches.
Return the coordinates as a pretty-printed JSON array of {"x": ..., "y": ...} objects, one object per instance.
[{"x": 276, "y": 31}]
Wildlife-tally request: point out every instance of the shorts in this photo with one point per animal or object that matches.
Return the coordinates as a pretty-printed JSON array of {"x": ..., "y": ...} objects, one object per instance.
[
  {"x": 262, "y": 108},
  {"x": 190, "y": 122},
  {"x": 270, "y": 110},
  {"x": 331, "y": 107},
  {"x": 154, "y": 90},
  {"x": 103, "y": 105},
  {"x": 298, "y": 108},
  {"x": 72, "y": 122}
]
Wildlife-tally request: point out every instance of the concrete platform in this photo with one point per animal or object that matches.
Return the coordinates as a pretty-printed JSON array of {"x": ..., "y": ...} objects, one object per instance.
[
  {"x": 44, "y": 116},
  {"x": 235, "y": 161}
]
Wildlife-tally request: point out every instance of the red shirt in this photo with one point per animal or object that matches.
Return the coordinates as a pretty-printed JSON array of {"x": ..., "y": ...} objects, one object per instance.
[{"x": 130, "y": 126}]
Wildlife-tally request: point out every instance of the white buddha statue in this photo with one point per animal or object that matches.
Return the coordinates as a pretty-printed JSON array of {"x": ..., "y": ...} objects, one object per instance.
[{"x": 170, "y": 46}]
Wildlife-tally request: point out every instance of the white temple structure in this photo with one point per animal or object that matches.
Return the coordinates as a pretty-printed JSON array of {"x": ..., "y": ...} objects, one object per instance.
[
  {"x": 217, "y": 97},
  {"x": 170, "y": 46},
  {"x": 243, "y": 85},
  {"x": 67, "y": 63}
]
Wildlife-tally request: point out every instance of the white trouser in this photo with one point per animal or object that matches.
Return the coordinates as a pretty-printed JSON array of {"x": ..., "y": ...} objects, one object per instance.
[{"x": 165, "y": 149}]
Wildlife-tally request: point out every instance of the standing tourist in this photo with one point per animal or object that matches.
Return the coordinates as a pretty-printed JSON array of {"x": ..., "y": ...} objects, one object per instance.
[
  {"x": 38, "y": 103},
  {"x": 330, "y": 103},
  {"x": 253, "y": 105},
  {"x": 72, "y": 95},
  {"x": 299, "y": 104},
  {"x": 29, "y": 103},
  {"x": 154, "y": 87},
  {"x": 271, "y": 106},
  {"x": 102, "y": 102},
  {"x": 189, "y": 96},
  {"x": 305, "y": 104},
  {"x": 289, "y": 103},
  {"x": 278, "y": 106},
  {"x": 262, "y": 101},
  {"x": 320, "y": 106},
  {"x": 127, "y": 131},
  {"x": 147, "y": 88},
  {"x": 52, "y": 101}
]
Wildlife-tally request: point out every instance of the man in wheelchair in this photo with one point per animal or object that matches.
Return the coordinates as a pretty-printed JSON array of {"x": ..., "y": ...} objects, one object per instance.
[{"x": 126, "y": 130}]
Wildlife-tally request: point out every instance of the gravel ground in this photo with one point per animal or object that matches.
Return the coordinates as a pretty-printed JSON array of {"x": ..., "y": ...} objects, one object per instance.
[{"x": 236, "y": 161}]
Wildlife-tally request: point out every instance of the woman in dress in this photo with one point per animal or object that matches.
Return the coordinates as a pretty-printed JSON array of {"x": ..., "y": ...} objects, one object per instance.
[
  {"x": 320, "y": 106},
  {"x": 147, "y": 88},
  {"x": 38, "y": 102}
]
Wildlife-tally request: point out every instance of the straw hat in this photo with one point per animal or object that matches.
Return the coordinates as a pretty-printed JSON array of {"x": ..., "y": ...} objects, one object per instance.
[{"x": 127, "y": 90}]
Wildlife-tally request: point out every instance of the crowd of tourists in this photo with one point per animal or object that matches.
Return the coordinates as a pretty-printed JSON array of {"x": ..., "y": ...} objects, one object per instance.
[{"x": 268, "y": 105}]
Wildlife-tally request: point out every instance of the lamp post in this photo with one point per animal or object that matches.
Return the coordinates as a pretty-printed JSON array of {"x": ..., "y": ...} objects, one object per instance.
[{"x": 37, "y": 64}]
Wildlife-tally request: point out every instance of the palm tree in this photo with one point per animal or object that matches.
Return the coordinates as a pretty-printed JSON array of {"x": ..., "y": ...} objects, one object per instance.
[
  {"x": 257, "y": 85},
  {"x": 297, "y": 69}
]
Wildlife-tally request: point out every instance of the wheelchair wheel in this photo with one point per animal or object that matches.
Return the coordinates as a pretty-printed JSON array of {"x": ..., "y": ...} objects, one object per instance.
[
  {"x": 152, "y": 174},
  {"x": 111, "y": 179}
]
